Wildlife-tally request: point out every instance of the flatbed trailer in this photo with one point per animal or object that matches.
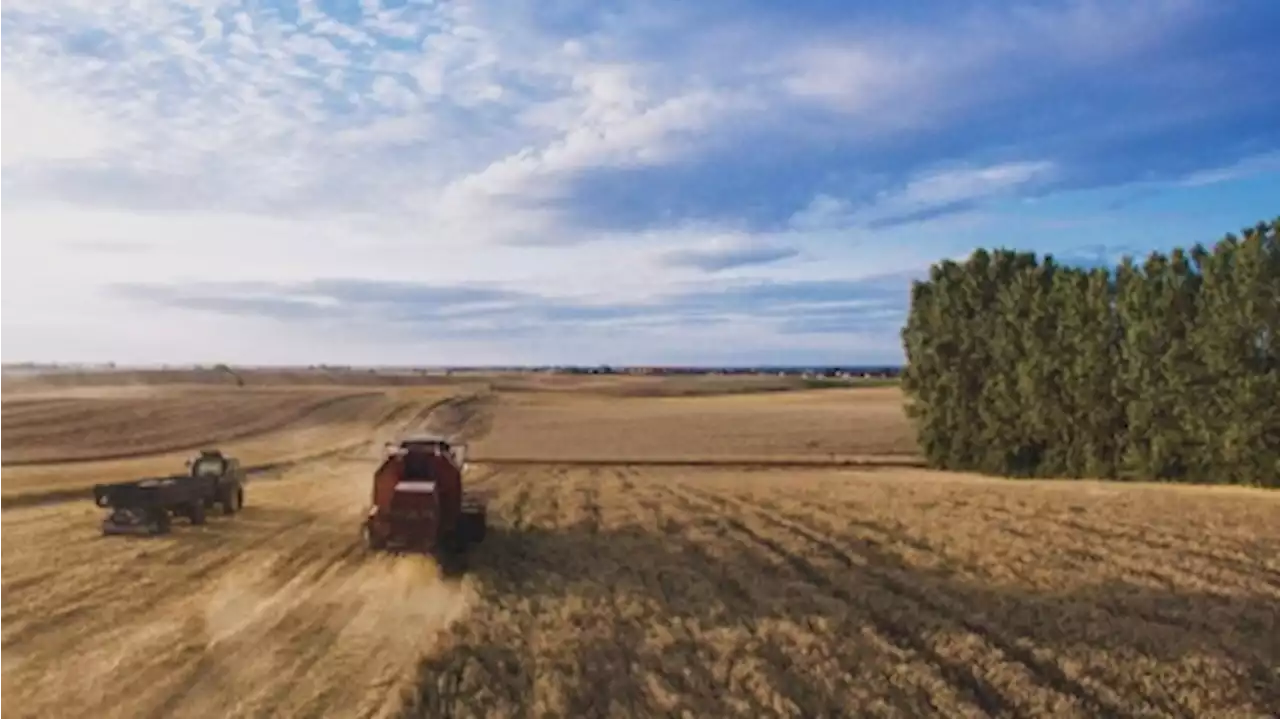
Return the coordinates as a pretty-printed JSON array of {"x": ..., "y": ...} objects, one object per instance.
[{"x": 147, "y": 506}]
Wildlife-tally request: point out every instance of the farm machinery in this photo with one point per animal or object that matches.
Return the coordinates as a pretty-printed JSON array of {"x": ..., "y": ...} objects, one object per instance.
[
  {"x": 419, "y": 502},
  {"x": 147, "y": 506}
]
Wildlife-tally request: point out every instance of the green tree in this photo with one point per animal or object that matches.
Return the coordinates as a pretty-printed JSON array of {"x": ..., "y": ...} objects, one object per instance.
[
  {"x": 931, "y": 344},
  {"x": 1165, "y": 370}
]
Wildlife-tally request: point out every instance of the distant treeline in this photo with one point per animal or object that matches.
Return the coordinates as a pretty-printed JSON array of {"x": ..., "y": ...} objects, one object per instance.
[{"x": 1168, "y": 369}]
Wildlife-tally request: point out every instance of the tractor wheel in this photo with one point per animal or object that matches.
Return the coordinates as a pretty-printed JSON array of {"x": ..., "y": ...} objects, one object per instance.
[
  {"x": 233, "y": 500},
  {"x": 197, "y": 513}
]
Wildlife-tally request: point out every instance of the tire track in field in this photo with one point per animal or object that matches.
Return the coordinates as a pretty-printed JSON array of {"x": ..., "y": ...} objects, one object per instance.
[
  {"x": 192, "y": 551},
  {"x": 186, "y": 441},
  {"x": 882, "y": 541},
  {"x": 764, "y": 675},
  {"x": 492, "y": 662},
  {"x": 898, "y": 535},
  {"x": 131, "y": 623},
  {"x": 908, "y": 682},
  {"x": 741, "y": 604},
  {"x": 102, "y": 599},
  {"x": 103, "y": 588},
  {"x": 593, "y": 598},
  {"x": 130, "y": 627},
  {"x": 614, "y": 665},
  {"x": 157, "y": 678},
  {"x": 697, "y": 678},
  {"x": 994, "y": 698},
  {"x": 956, "y": 686},
  {"x": 33, "y": 412},
  {"x": 1228, "y": 558},
  {"x": 1097, "y": 698},
  {"x": 286, "y": 610},
  {"x": 1177, "y": 622},
  {"x": 36, "y": 498},
  {"x": 300, "y": 633}
]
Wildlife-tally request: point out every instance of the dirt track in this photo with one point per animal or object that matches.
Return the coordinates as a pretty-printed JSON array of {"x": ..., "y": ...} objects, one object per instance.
[{"x": 648, "y": 591}]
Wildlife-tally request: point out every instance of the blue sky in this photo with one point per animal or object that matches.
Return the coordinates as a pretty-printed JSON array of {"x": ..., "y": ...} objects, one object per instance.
[{"x": 570, "y": 181}]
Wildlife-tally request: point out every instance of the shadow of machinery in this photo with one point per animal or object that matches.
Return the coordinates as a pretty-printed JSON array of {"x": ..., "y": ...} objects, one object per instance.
[
  {"x": 682, "y": 582},
  {"x": 257, "y": 525}
]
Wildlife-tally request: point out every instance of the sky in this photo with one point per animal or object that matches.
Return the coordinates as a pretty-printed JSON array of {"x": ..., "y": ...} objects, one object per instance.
[{"x": 579, "y": 182}]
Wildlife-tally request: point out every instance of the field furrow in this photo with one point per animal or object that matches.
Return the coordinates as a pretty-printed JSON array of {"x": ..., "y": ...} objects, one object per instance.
[
  {"x": 345, "y": 428},
  {"x": 1096, "y": 624},
  {"x": 138, "y": 427},
  {"x": 1010, "y": 675}
]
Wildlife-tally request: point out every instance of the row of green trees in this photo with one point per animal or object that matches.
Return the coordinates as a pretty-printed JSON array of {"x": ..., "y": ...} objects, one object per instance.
[{"x": 1169, "y": 369}]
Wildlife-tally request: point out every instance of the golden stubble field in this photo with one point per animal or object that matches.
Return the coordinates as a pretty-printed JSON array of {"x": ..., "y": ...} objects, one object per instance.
[
  {"x": 832, "y": 424},
  {"x": 633, "y": 590}
]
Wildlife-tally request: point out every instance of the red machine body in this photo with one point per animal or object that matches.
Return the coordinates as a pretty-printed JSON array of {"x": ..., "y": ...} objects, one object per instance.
[{"x": 419, "y": 502}]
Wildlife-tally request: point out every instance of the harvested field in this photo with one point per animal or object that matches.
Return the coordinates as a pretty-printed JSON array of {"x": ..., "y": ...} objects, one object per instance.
[
  {"x": 73, "y": 429},
  {"x": 270, "y": 612},
  {"x": 643, "y": 591},
  {"x": 894, "y": 594},
  {"x": 663, "y": 386},
  {"x": 635, "y": 590},
  {"x": 329, "y": 427},
  {"x": 831, "y": 423},
  {"x": 226, "y": 379}
]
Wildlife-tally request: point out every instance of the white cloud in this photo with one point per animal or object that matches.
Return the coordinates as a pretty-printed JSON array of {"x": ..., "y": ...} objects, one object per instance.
[
  {"x": 962, "y": 184},
  {"x": 949, "y": 189},
  {"x": 196, "y": 140},
  {"x": 1257, "y": 164},
  {"x": 44, "y": 126}
]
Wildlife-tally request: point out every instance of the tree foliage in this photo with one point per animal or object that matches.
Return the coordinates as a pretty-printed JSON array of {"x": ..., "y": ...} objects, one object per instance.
[{"x": 1165, "y": 369}]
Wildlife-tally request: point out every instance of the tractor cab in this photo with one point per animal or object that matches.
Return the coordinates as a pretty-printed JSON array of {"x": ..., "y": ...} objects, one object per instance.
[{"x": 209, "y": 463}]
